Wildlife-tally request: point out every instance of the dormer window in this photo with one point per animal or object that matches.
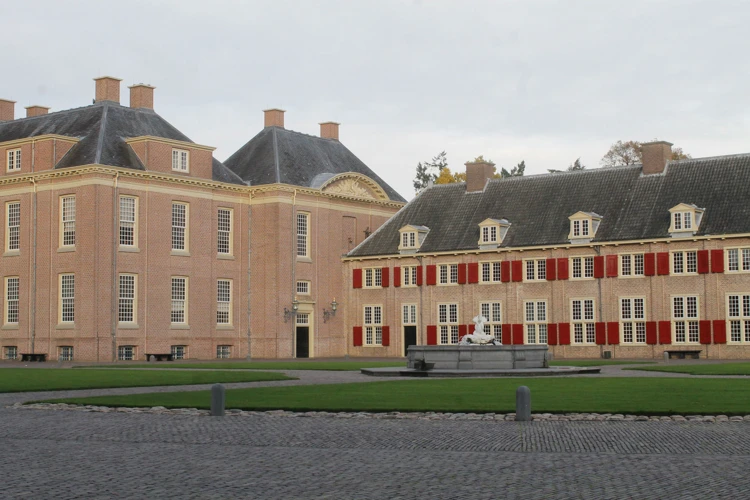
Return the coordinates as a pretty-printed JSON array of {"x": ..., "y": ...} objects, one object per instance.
[
  {"x": 489, "y": 234},
  {"x": 686, "y": 219},
  {"x": 492, "y": 232},
  {"x": 180, "y": 160},
  {"x": 411, "y": 238},
  {"x": 583, "y": 226}
]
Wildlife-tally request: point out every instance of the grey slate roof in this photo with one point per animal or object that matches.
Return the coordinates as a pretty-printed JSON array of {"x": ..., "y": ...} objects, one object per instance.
[
  {"x": 102, "y": 129},
  {"x": 632, "y": 206},
  {"x": 277, "y": 155}
]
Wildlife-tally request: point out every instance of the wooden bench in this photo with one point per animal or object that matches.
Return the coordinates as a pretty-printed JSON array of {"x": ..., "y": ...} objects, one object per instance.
[
  {"x": 33, "y": 357},
  {"x": 695, "y": 354},
  {"x": 160, "y": 357}
]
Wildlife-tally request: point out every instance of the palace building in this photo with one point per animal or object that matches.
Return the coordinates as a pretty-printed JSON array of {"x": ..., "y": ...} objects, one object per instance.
[
  {"x": 625, "y": 262},
  {"x": 124, "y": 238}
]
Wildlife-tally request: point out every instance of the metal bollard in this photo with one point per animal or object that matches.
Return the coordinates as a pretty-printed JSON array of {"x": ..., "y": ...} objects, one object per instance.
[
  {"x": 152, "y": 359},
  {"x": 666, "y": 357},
  {"x": 218, "y": 399},
  {"x": 523, "y": 404}
]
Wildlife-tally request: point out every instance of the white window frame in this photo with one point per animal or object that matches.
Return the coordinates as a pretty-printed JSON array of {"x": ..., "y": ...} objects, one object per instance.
[
  {"x": 10, "y": 352},
  {"x": 180, "y": 160},
  {"x": 682, "y": 258},
  {"x": 580, "y": 317},
  {"x": 303, "y": 235},
  {"x": 447, "y": 323},
  {"x": 490, "y": 234},
  {"x": 372, "y": 331},
  {"x": 447, "y": 274},
  {"x": 303, "y": 287},
  {"x": 685, "y": 325},
  {"x": 67, "y": 221},
  {"x": 13, "y": 157},
  {"x": 224, "y": 302},
  {"x": 737, "y": 260},
  {"x": 128, "y": 228},
  {"x": 409, "y": 240},
  {"x": 178, "y": 351},
  {"x": 127, "y": 299},
  {"x": 180, "y": 295},
  {"x": 409, "y": 276},
  {"x": 535, "y": 321},
  {"x": 126, "y": 353},
  {"x": 13, "y": 226},
  {"x": 65, "y": 353},
  {"x": 180, "y": 227},
  {"x": 373, "y": 277},
  {"x": 586, "y": 267},
  {"x": 632, "y": 265},
  {"x": 492, "y": 310},
  {"x": 66, "y": 295},
  {"x": 409, "y": 314},
  {"x": 491, "y": 270},
  {"x": 632, "y": 320},
  {"x": 535, "y": 270},
  {"x": 224, "y": 233},
  {"x": 738, "y": 321},
  {"x": 223, "y": 351},
  {"x": 11, "y": 310}
]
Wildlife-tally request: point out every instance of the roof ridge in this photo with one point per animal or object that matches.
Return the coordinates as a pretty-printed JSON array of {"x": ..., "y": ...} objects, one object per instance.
[
  {"x": 79, "y": 108},
  {"x": 100, "y": 139}
]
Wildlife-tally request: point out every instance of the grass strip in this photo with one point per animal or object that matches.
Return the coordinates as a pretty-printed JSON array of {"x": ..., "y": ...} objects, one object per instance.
[
  {"x": 597, "y": 362},
  {"x": 710, "y": 369},
  {"x": 643, "y": 396},
  {"x": 52, "y": 379},
  {"x": 262, "y": 365}
]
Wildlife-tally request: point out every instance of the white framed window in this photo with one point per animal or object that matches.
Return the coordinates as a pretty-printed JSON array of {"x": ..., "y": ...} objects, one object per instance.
[
  {"x": 738, "y": 260},
  {"x": 448, "y": 323},
  {"x": 303, "y": 234},
  {"x": 13, "y": 225},
  {"x": 14, "y": 160},
  {"x": 685, "y": 262},
  {"x": 125, "y": 353},
  {"x": 302, "y": 318},
  {"x": 490, "y": 272},
  {"x": 373, "y": 325},
  {"x": 632, "y": 265},
  {"x": 448, "y": 274},
  {"x": 223, "y": 351},
  {"x": 65, "y": 353},
  {"x": 409, "y": 316},
  {"x": 535, "y": 321},
  {"x": 11, "y": 352},
  {"x": 67, "y": 298},
  {"x": 583, "y": 267},
  {"x": 224, "y": 302},
  {"x": 179, "y": 300},
  {"x": 493, "y": 311},
  {"x": 373, "y": 277},
  {"x": 633, "y": 320},
  {"x": 180, "y": 214},
  {"x": 536, "y": 270},
  {"x": 738, "y": 314},
  {"x": 178, "y": 351},
  {"x": 303, "y": 287},
  {"x": 580, "y": 228},
  {"x": 126, "y": 308},
  {"x": 180, "y": 160},
  {"x": 582, "y": 316},
  {"x": 409, "y": 239},
  {"x": 489, "y": 234},
  {"x": 682, "y": 221},
  {"x": 11, "y": 300},
  {"x": 409, "y": 276},
  {"x": 67, "y": 221},
  {"x": 685, "y": 326},
  {"x": 128, "y": 221},
  {"x": 224, "y": 231}
]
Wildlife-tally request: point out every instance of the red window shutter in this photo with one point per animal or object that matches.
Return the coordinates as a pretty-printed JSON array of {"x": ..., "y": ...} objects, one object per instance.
[
  {"x": 662, "y": 263},
  {"x": 474, "y": 272},
  {"x": 357, "y": 336},
  {"x": 649, "y": 264},
  {"x": 506, "y": 334},
  {"x": 705, "y": 331},
  {"x": 720, "y": 331},
  {"x": 551, "y": 269},
  {"x": 357, "y": 279},
  {"x": 552, "y": 334},
  {"x": 518, "y": 333},
  {"x": 601, "y": 333},
  {"x": 612, "y": 271},
  {"x": 386, "y": 335},
  {"x": 562, "y": 268},
  {"x": 470, "y": 328},
  {"x": 385, "y": 277},
  {"x": 613, "y": 333},
  {"x": 505, "y": 272},
  {"x": 599, "y": 266},
  {"x": 563, "y": 333},
  {"x": 462, "y": 274},
  {"x": 651, "y": 332},
  {"x": 431, "y": 335},
  {"x": 665, "y": 332},
  {"x": 461, "y": 331},
  {"x": 516, "y": 268},
  {"x": 397, "y": 276},
  {"x": 419, "y": 275},
  {"x": 717, "y": 261},
  {"x": 703, "y": 267},
  {"x": 432, "y": 274}
]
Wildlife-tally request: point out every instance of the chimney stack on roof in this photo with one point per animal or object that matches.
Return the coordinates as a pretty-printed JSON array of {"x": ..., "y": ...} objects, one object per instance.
[
  {"x": 142, "y": 96},
  {"x": 107, "y": 89},
  {"x": 655, "y": 156},
  {"x": 273, "y": 117},
  {"x": 478, "y": 172},
  {"x": 36, "y": 110},
  {"x": 7, "y": 110},
  {"x": 329, "y": 130}
]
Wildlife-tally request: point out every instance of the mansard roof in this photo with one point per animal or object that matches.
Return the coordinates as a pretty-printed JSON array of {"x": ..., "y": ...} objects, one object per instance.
[
  {"x": 277, "y": 155},
  {"x": 102, "y": 129},
  {"x": 631, "y": 206}
]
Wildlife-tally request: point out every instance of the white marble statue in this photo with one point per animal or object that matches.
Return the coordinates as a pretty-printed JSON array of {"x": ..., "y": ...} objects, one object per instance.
[{"x": 479, "y": 337}]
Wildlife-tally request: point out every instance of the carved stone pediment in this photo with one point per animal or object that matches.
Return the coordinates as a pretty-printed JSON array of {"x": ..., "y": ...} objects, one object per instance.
[{"x": 350, "y": 187}]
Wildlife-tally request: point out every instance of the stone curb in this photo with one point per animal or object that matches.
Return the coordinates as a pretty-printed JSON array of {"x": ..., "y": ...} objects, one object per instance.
[{"x": 537, "y": 417}]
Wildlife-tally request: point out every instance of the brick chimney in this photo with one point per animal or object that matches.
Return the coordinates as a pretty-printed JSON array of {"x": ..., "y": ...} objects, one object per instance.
[
  {"x": 107, "y": 89},
  {"x": 329, "y": 130},
  {"x": 477, "y": 174},
  {"x": 7, "y": 110},
  {"x": 142, "y": 96},
  {"x": 273, "y": 117},
  {"x": 36, "y": 111},
  {"x": 655, "y": 156}
]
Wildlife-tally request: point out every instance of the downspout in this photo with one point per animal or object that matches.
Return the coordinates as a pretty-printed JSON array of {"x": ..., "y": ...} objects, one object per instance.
[
  {"x": 33, "y": 268},
  {"x": 294, "y": 270},
  {"x": 113, "y": 310},
  {"x": 249, "y": 267}
]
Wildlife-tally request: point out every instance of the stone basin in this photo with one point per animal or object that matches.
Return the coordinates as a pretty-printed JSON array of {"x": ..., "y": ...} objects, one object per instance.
[{"x": 477, "y": 357}]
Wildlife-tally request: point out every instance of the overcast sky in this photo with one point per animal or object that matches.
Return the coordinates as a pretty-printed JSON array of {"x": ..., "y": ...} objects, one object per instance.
[{"x": 540, "y": 81}]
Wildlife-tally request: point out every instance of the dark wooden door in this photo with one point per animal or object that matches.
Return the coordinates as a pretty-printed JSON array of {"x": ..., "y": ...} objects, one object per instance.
[
  {"x": 410, "y": 337},
  {"x": 303, "y": 342}
]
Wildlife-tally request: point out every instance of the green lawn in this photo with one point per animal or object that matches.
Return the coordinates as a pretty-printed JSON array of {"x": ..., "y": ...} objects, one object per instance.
[
  {"x": 263, "y": 365},
  {"x": 598, "y": 362},
  {"x": 602, "y": 395},
  {"x": 52, "y": 379},
  {"x": 713, "y": 369}
]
